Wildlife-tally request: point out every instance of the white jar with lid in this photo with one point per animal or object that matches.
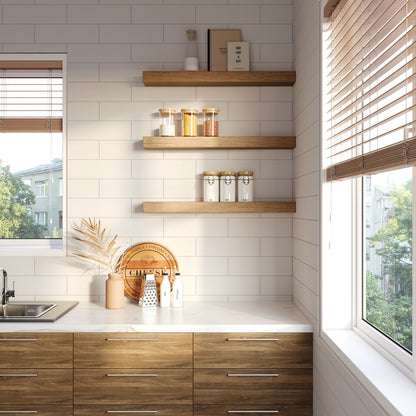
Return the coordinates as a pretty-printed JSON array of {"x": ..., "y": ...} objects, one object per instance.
[
  {"x": 167, "y": 122},
  {"x": 227, "y": 186},
  {"x": 245, "y": 186},
  {"x": 211, "y": 186}
]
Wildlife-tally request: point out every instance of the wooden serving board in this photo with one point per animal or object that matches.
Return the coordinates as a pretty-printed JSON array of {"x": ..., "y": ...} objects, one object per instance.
[{"x": 146, "y": 258}]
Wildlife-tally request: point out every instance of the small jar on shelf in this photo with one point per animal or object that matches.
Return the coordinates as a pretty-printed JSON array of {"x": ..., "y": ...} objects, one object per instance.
[
  {"x": 189, "y": 122},
  {"x": 211, "y": 122},
  {"x": 211, "y": 186},
  {"x": 245, "y": 186},
  {"x": 167, "y": 122},
  {"x": 227, "y": 186}
]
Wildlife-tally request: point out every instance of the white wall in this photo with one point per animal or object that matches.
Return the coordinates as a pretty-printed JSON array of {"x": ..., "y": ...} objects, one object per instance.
[
  {"x": 336, "y": 391},
  {"x": 108, "y": 44}
]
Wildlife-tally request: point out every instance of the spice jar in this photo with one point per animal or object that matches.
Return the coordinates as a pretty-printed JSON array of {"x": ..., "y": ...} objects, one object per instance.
[
  {"x": 189, "y": 122},
  {"x": 211, "y": 186},
  {"x": 211, "y": 121},
  {"x": 167, "y": 121},
  {"x": 227, "y": 186},
  {"x": 245, "y": 186}
]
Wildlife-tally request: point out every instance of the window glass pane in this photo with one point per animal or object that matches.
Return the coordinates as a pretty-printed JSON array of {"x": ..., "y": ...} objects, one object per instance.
[
  {"x": 31, "y": 185},
  {"x": 387, "y": 245}
]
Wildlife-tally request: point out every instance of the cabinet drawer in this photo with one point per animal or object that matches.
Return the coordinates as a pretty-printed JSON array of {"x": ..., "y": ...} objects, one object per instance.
[
  {"x": 49, "y": 410},
  {"x": 253, "y": 350},
  {"x": 133, "y": 386},
  {"x": 35, "y": 386},
  {"x": 36, "y": 350},
  {"x": 133, "y": 350},
  {"x": 145, "y": 410},
  {"x": 252, "y": 410},
  {"x": 253, "y": 386}
]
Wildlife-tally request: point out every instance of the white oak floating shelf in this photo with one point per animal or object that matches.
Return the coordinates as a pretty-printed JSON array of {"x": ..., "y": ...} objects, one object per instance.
[
  {"x": 217, "y": 207},
  {"x": 219, "y": 78},
  {"x": 222, "y": 142}
]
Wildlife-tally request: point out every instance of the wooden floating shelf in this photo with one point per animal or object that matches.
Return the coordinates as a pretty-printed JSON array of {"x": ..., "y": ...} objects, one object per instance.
[
  {"x": 222, "y": 142},
  {"x": 219, "y": 78},
  {"x": 217, "y": 207}
]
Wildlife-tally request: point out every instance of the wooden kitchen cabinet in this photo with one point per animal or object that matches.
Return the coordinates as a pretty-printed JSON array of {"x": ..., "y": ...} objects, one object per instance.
[
  {"x": 133, "y": 350},
  {"x": 159, "y": 410},
  {"x": 36, "y": 373},
  {"x": 253, "y": 372}
]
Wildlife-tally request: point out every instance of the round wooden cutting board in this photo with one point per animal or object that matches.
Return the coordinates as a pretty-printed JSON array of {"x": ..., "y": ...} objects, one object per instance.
[{"x": 146, "y": 258}]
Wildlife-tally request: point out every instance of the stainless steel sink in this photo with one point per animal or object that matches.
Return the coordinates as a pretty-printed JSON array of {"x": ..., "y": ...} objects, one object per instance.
[
  {"x": 35, "y": 312},
  {"x": 19, "y": 310}
]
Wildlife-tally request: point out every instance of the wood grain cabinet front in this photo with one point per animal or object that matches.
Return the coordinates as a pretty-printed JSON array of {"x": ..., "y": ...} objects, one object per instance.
[
  {"x": 35, "y": 386},
  {"x": 36, "y": 350},
  {"x": 252, "y": 410},
  {"x": 38, "y": 410},
  {"x": 145, "y": 410},
  {"x": 133, "y": 386},
  {"x": 133, "y": 350},
  {"x": 253, "y": 350}
]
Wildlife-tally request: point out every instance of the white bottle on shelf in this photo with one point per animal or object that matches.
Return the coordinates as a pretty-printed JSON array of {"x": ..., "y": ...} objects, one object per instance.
[
  {"x": 177, "y": 291},
  {"x": 165, "y": 291}
]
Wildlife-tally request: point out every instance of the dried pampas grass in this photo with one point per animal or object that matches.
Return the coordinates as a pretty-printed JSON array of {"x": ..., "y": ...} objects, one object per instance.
[{"x": 101, "y": 248}]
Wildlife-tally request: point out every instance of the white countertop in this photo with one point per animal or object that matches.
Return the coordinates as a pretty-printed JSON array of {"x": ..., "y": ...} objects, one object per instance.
[{"x": 193, "y": 317}]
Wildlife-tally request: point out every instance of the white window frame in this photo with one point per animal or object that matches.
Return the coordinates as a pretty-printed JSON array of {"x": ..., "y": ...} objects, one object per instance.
[
  {"x": 44, "y": 246},
  {"x": 41, "y": 185},
  {"x": 405, "y": 361}
]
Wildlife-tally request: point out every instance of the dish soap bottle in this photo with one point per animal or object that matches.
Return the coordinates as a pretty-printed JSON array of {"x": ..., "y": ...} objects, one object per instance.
[
  {"x": 165, "y": 290},
  {"x": 191, "y": 59},
  {"x": 177, "y": 291}
]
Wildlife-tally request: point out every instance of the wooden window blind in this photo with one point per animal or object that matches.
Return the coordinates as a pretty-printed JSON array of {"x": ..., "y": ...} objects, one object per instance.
[
  {"x": 31, "y": 96},
  {"x": 370, "y": 75}
]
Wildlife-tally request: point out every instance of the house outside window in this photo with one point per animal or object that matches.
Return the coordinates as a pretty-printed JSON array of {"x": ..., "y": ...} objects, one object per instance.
[{"x": 41, "y": 189}]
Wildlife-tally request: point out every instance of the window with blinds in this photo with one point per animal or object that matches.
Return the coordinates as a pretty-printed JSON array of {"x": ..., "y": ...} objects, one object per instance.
[
  {"x": 32, "y": 165},
  {"x": 31, "y": 96},
  {"x": 370, "y": 108}
]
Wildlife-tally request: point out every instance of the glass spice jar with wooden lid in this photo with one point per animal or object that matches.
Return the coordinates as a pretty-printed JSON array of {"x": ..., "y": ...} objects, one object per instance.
[
  {"x": 167, "y": 122},
  {"x": 189, "y": 122},
  {"x": 211, "y": 125}
]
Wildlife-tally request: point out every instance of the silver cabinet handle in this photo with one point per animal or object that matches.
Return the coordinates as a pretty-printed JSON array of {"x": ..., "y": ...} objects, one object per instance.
[
  {"x": 252, "y": 339},
  {"x": 132, "y": 411},
  {"x": 8, "y": 412},
  {"x": 131, "y": 375},
  {"x": 17, "y": 375},
  {"x": 253, "y": 375},
  {"x": 131, "y": 339},
  {"x": 17, "y": 339},
  {"x": 252, "y": 411}
]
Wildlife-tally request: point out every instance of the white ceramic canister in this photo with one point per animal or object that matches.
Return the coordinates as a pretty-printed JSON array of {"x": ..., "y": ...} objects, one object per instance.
[
  {"x": 245, "y": 186},
  {"x": 227, "y": 186},
  {"x": 211, "y": 186}
]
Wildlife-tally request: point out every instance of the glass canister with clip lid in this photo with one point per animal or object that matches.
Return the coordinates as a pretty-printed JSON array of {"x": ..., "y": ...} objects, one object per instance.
[
  {"x": 245, "y": 186},
  {"x": 211, "y": 122},
  {"x": 211, "y": 186},
  {"x": 227, "y": 186},
  {"x": 167, "y": 122}
]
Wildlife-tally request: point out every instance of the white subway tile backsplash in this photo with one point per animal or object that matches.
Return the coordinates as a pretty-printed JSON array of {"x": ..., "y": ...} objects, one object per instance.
[
  {"x": 99, "y": 91},
  {"x": 195, "y": 227},
  {"x": 31, "y": 14},
  {"x": 109, "y": 43},
  {"x": 163, "y": 14},
  {"x": 230, "y": 15},
  {"x": 99, "y": 169},
  {"x": 99, "y": 130},
  {"x": 66, "y": 33},
  {"x": 17, "y": 33},
  {"x": 131, "y": 188},
  {"x": 99, "y": 14},
  {"x": 131, "y": 33}
]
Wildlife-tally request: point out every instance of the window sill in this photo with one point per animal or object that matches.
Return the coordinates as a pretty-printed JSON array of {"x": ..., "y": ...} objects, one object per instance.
[{"x": 394, "y": 391}]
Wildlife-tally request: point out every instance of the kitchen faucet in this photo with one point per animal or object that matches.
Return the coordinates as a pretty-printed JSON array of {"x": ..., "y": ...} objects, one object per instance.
[{"x": 6, "y": 294}]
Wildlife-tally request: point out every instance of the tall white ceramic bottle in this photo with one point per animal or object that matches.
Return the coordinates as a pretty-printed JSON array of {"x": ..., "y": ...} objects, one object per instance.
[
  {"x": 177, "y": 291},
  {"x": 165, "y": 291}
]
